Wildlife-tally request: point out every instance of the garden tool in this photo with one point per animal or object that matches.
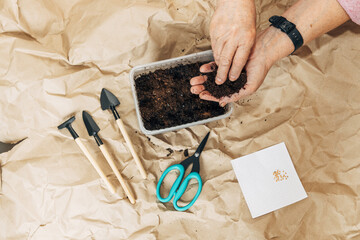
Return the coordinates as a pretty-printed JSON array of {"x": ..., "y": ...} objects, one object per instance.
[
  {"x": 109, "y": 101},
  {"x": 93, "y": 130},
  {"x": 67, "y": 124}
]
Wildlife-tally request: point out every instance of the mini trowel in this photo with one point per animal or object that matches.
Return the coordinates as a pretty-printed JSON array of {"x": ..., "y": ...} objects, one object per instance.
[
  {"x": 109, "y": 101},
  {"x": 93, "y": 130},
  {"x": 67, "y": 124}
]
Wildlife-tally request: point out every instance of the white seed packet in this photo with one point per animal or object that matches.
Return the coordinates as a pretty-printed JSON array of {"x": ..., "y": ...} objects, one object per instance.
[{"x": 268, "y": 180}]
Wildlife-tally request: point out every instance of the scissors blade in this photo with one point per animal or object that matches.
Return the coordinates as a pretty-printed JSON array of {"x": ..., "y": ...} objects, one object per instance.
[{"x": 202, "y": 145}]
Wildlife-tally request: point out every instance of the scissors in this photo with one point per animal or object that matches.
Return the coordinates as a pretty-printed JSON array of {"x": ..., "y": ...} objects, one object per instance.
[{"x": 179, "y": 186}]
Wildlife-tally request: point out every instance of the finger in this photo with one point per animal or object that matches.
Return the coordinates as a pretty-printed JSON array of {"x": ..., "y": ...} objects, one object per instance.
[
  {"x": 198, "y": 80},
  {"x": 225, "y": 100},
  {"x": 224, "y": 63},
  {"x": 205, "y": 95},
  {"x": 246, "y": 91},
  {"x": 239, "y": 61},
  {"x": 197, "y": 89},
  {"x": 209, "y": 67}
]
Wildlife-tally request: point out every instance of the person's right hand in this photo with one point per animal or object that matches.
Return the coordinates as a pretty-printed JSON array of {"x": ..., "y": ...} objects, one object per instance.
[{"x": 232, "y": 33}]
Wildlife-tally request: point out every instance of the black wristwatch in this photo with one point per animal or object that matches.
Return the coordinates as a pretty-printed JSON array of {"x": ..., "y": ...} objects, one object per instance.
[{"x": 289, "y": 28}]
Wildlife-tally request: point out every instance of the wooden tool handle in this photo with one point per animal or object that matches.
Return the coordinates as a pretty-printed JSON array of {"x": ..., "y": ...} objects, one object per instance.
[
  {"x": 131, "y": 148},
  {"x": 111, "y": 162},
  {"x": 95, "y": 164}
]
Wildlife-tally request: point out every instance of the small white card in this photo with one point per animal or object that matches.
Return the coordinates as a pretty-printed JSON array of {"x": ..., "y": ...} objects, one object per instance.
[{"x": 268, "y": 180}]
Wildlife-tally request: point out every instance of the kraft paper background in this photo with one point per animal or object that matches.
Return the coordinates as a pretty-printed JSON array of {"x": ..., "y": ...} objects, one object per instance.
[{"x": 57, "y": 55}]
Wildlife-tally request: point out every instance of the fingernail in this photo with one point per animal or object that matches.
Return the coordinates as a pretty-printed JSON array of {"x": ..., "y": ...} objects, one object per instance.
[
  {"x": 222, "y": 104},
  {"x": 232, "y": 77},
  {"x": 218, "y": 80}
]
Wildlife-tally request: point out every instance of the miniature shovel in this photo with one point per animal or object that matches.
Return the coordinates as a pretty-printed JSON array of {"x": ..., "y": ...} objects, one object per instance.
[
  {"x": 93, "y": 130},
  {"x": 67, "y": 124},
  {"x": 109, "y": 101}
]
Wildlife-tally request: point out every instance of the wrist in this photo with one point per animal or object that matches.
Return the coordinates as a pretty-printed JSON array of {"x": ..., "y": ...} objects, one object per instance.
[
  {"x": 289, "y": 29},
  {"x": 275, "y": 44}
]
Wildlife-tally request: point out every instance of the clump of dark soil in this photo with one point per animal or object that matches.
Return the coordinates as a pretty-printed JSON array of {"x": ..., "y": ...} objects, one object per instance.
[
  {"x": 165, "y": 99},
  {"x": 227, "y": 88}
]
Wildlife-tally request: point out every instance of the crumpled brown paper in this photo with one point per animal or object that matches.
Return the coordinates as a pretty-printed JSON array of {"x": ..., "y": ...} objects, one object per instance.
[{"x": 56, "y": 56}]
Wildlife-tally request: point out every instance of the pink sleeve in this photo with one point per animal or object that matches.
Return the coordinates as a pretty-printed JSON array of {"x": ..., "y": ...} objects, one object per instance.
[{"x": 352, "y": 8}]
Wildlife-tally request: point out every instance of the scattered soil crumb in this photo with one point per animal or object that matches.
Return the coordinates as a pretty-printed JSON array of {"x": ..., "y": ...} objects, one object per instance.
[
  {"x": 170, "y": 151},
  {"x": 186, "y": 153}
]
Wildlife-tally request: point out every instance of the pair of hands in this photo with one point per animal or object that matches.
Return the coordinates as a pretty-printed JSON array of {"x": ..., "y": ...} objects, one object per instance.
[{"x": 235, "y": 46}]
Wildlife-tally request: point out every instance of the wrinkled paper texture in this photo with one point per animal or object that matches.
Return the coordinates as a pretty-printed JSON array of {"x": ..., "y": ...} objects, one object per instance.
[{"x": 56, "y": 56}]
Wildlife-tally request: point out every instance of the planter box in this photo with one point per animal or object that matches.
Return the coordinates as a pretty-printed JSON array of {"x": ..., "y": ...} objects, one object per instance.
[{"x": 205, "y": 56}]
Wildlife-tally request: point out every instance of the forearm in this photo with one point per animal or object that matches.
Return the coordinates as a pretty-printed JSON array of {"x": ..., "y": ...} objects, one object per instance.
[
  {"x": 311, "y": 17},
  {"x": 316, "y": 17}
]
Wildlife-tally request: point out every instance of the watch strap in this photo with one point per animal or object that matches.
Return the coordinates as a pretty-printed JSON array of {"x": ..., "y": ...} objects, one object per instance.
[{"x": 289, "y": 28}]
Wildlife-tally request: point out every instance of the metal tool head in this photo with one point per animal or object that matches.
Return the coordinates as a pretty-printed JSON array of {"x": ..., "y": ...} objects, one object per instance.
[
  {"x": 194, "y": 159},
  {"x": 66, "y": 123},
  {"x": 90, "y": 124},
  {"x": 201, "y": 146},
  {"x": 108, "y": 99}
]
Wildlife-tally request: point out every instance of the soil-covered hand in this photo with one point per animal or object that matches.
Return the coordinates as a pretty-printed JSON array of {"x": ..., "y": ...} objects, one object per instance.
[
  {"x": 270, "y": 45},
  {"x": 232, "y": 33}
]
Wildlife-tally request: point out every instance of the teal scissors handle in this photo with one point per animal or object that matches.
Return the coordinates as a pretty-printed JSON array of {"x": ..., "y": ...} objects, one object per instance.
[
  {"x": 177, "y": 189},
  {"x": 174, "y": 186},
  {"x": 182, "y": 188}
]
